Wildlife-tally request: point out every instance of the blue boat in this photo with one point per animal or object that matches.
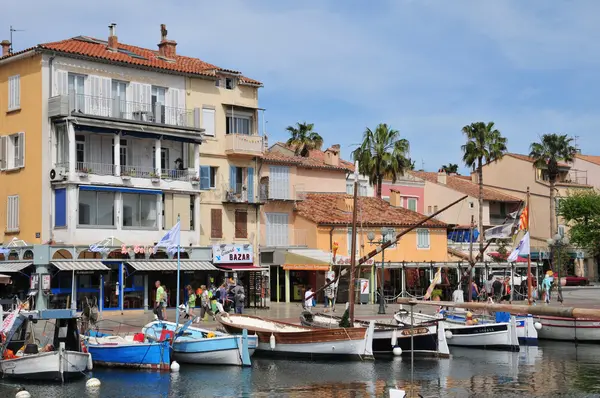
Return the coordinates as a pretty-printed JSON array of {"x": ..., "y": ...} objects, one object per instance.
[
  {"x": 117, "y": 351},
  {"x": 206, "y": 347}
]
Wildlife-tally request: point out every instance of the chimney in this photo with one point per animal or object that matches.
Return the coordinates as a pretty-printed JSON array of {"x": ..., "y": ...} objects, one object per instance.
[
  {"x": 166, "y": 48},
  {"x": 113, "y": 40},
  {"x": 441, "y": 177},
  {"x": 474, "y": 177},
  {"x": 395, "y": 198},
  {"x": 332, "y": 155},
  {"x": 5, "y": 47}
]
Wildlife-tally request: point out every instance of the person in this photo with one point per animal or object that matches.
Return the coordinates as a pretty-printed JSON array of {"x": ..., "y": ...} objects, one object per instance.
[
  {"x": 474, "y": 291},
  {"x": 489, "y": 286},
  {"x": 506, "y": 295},
  {"x": 329, "y": 295},
  {"x": 160, "y": 292},
  {"x": 165, "y": 302},
  {"x": 497, "y": 287},
  {"x": 547, "y": 286},
  {"x": 205, "y": 303},
  {"x": 308, "y": 301},
  {"x": 239, "y": 297},
  {"x": 223, "y": 295},
  {"x": 191, "y": 303}
]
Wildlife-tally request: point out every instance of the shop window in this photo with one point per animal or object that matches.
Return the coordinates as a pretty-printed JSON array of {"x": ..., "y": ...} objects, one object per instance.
[
  {"x": 96, "y": 208},
  {"x": 139, "y": 210}
]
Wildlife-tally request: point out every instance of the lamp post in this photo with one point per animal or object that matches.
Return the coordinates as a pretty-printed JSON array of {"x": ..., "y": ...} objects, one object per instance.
[
  {"x": 371, "y": 237},
  {"x": 558, "y": 243}
]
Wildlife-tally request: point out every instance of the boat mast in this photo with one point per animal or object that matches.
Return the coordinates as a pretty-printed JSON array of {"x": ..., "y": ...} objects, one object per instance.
[
  {"x": 529, "y": 287},
  {"x": 353, "y": 247},
  {"x": 471, "y": 261}
]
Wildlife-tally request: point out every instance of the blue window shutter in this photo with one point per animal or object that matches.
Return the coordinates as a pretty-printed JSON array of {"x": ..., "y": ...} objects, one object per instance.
[
  {"x": 204, "y": 177},
  {"x": 250, "y": 184},
  {"x": 60, "y": 207},
  {"x": 232, "y": 177}
]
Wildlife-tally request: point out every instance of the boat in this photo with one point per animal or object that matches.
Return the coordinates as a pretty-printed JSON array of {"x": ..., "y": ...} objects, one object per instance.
[
  {"x": 579, "y": 330},
  {"x": 497, "y": 336},
  {"x": 287, "y": 340},
  {"x": 61, "y": 356},
  {"x": 429, "y": 338},
  {"x": 132, "y": 351},
  {"x": 205, "y": 347}
]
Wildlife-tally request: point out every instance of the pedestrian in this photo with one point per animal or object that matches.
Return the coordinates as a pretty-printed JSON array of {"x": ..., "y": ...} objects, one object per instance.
[
  {"x": 308, "y": 301},
  {"x": 165, "y": 301},
  {"x": 474, "y": 291},
  {"x": 160, "y": 292},
  {"x": 329, "y": 295},
  {"x": 506, "y": 296},
  {"x": 239, "y": 297},
  {"x": 191, "y": 304},
  {"x": 205, "y": 305},
  {"x": 489, "y": 286}
]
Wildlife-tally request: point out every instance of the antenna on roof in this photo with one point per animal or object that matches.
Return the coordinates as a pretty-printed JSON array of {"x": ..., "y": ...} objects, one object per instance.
[
  {"x": 10, "y": 50},
  {"x": 422, "y": 164}
]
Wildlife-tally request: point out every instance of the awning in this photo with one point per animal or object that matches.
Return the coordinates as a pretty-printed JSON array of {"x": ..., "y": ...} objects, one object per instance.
[
  {"x": 13, "y": 267},
  {"x": 69, "y": 265},
  {"x": 185, "y": 265},
  {"x": 306, "y": 260},
  {"x": 241, "y": 267}
]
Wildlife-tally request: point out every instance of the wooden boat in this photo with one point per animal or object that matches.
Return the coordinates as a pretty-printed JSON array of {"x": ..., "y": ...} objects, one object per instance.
[
  {"x": 206, "y": 347},
  {"x": 496, "y": 336},
  {"x": 61, "y": 356},
  {"x": 429, "y": 338},
  {"x": 288, "y": 340},
  {"x": 128, "y": 352},
  {"x": 580, "y": 330}
]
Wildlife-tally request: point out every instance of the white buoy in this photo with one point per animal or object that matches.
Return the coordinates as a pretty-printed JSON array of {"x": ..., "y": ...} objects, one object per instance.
[
  {"x": 174, "y": 366},
  {"x": 448, "y": 334},
  {"x": 90, "y": 364},
  {"x": 272, "y": 341},
  {"x": 397, "y": 351},
  {"x": 92, "y": 383},
  {"x": 537, "y": 326},
  {"x": 23, "y": 394},
  {"x": 394, "y": 338}
]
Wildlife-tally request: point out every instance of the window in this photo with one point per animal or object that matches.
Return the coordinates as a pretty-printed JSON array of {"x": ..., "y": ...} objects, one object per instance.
[
  {"x": 12, "y": 214},
  {"x": 390, "y": 236},
  {"x": 350, "y": 188},
  {"x": 139, "y": 210},
  {"x": 164, "y": 158},
  {"x": 60, "y": 207},
  {"x": 14, "y": 92},
  {"x": 208, "y": 177},
  {"x": 12, "y": 151},
  {"x": 422, "y": 239},
  {"x": 362, "y": 189},
  {"x": 277, "y": 229},
  {"x": 216, "y": 223},
  {"x": 158, "y": 101},
  {"x": 96, "y": 208},
  {"x": 62, "y": 147},
  {"x": 238, "y": 124},
  {"x": 208, "y": 121},
  {"x": 122, "y": 153},
  {"x": 435, "y": 209},
  {"x": 80, "y": 150},
  {"x": 349, "y": 242},
  {"x": 241, "y": 224},
  {"x": 412, "y": 204},
  {"x": 119, "y": 97},
  {"x": 192, "y": 211},
  {"x": 229, "y": 83},
  {"x": 77, "y": 92},
  {"x": 429, "y": 210},
  {"x": 279, "y": 182}
]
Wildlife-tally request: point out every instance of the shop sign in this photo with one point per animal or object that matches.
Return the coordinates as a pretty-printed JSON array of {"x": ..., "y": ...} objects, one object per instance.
[
  {"x": 232, "y": 254},
  {"x": 364, "y": 286},
  {"x": 343, "y": 260},
  {"x": 306, "y": 267},
  {"x": 84, "y": 272}
]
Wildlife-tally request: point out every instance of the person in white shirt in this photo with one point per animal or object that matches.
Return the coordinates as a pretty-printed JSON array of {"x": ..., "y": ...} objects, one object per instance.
[{"x": 308, "y": 301}]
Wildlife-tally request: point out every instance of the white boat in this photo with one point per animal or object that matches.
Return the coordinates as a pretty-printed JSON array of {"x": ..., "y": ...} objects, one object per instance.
[
  {"x": 59, "y": 359},
  {"x": 497, "y": 336},
  {"x": 205, "y": 347},
  {"x": 527, "y": 333},
  {"x": 580, "y": 330}
]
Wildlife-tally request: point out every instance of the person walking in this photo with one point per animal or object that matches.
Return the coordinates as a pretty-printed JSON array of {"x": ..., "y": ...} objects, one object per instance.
[
  {"x": 160, "y": 293},
  {"x": 329, "y": 295},
  {"x": 191, "y": 304},
  {"x": 205, "y": 302},
  {"x": 239, "y": 297},
  {"x": 308, "y": 301},
  {"x": 489, "y": 286}
]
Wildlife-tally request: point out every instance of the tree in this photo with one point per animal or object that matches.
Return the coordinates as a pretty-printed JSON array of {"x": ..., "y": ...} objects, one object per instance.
[
  {"x": 303, "y": 139},
  {"x": 450, "y": 168},
  {"x": 411, "y": 164},
  {"x": 546, "y": 155},
  {"x": 581, "y": 211},
  {"x": 484, "y": 142},
  {"x": 382, "y": 153}
]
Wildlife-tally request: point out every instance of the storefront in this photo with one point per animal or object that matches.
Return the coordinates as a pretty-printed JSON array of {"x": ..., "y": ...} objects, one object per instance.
[{"x": 19, "y": 273}]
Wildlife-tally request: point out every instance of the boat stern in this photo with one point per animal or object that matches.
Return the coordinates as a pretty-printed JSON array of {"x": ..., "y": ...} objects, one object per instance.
[
  {"x": 367, "y": 351},
  {"x": 443, "y": 350}
]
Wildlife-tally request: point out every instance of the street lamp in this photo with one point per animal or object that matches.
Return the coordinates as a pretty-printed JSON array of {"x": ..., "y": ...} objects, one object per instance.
[
  {"x": 558, "y": 243},
  {"x": 371, "y": 237}
]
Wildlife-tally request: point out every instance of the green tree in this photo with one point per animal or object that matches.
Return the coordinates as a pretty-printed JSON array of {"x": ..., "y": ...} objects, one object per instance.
[
  {"x": 411, "y": 164},
  {"x": 581, "y": 211},
  {"x": 546, "y": 155},
  {"x": 382, "y": 154},
  {"x": 303, "y": 139},
  {"x": 484, "y": 142},
  {"x": 450, "y": 168}
]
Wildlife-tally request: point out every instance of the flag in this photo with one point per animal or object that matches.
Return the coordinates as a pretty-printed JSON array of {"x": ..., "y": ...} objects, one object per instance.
[
  {"x": 498, "y": 232},
  {"x": 522, "y": 249},
  {"x": 437, "y": 279},
  {"x": 524, "y": 219},
  {"x": 171, "y": 239}
]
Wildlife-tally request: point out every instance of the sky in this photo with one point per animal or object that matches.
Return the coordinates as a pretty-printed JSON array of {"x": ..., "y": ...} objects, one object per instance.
[{"x": 425, "y": 67}]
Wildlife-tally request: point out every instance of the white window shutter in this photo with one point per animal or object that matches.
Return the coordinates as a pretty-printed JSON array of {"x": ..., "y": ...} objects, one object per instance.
[
  {"x": 3, "y": 152},
  {"x": 208, "y": 121},
  {"x": 146, "y": 94},
  {"x": 105, "y": 96},
  {"x": 20, "y": 162},
  {"x": 171, "y": 98},
  {"x": 61, "y": 83}
]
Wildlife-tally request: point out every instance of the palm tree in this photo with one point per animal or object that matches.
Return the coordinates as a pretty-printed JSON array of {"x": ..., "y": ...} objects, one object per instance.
[
  {"x": 450, "y": 168},
  {"x": 546, "y": 155},
  {"x": 303, "y": 139},
  {"x": 411, "y": 164},
  {"x": 382, "y": 153},
  {"x": 484, "y": 142}
]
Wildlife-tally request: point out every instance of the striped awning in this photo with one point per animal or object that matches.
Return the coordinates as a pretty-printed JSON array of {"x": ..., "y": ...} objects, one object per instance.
[
  {"x": 171, "y": 265},
  {"x": 69, "y": 265},
  {"x": 14, "y": 266}
]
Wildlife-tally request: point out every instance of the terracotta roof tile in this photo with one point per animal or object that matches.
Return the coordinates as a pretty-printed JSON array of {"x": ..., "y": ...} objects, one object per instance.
[
  {"x": 325, "y": 208},
  {"x": 589, "y": 158},
  {"x": 529, "y": 159},
  {"x": 315, "y": 159},
  {"x": 133, "y": 56},
  {"x": 466, "y": 186}
]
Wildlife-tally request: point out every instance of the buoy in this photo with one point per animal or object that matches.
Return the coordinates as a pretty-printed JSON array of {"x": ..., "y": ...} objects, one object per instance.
[
  {"x": 272, "y": 341},
  {"x": 92, "y": 383},
  {"x": 90, "y": 364},
  {"x": 537, "y": 326},
  {"x": 394, "y": 338},
  {"x": 175, "y": 366},
  {"x": 397, "y": 351},
  {"x": 23, "y": 393},
  {"x": 448, "y": 334}
]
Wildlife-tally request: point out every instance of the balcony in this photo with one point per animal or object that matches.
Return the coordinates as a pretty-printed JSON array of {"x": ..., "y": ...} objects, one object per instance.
[
  {"x": 293, "y": 237},
  {"x": 272, "y": 193},
  {"x": 244, "y": 145},
  {"x": 117, "y": 109},
  {"x": 85, "y": 169}
]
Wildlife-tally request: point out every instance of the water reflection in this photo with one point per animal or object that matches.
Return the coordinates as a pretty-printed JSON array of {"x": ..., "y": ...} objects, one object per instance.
[{"x": 546, "y": 370}]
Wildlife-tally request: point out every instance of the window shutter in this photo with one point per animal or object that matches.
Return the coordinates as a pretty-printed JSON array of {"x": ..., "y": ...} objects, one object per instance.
[
  {"x": 181, "y": 206},
  {"x": 105, "y": 96},
  {"x": 216, "y": 221},
  {"x": 168, "y": 211},
  {"x": 208, "y": 121},
  {"x": 232, "y": 177},
  {"x": 204, "y": 177},
  {"x": 12, "y": 214},
  {"x": 60, "y": 207},
  {"x": 170, "y": 105},
  {"x": 3, "y": 152},
  {"x": 20, "y": 162},
  {"x": 61, "y": 83},
  {"x": 241, "y": 224},
  {"x": 250, "y": 185}
]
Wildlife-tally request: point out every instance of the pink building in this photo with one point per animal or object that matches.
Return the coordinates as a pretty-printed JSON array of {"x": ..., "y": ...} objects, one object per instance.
[{"x": 411, "y": 189}]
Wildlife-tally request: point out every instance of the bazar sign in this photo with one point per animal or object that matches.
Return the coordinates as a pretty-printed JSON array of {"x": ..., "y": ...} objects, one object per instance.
[
  {"x": 343, "y": 260},
  {"x": 227, "y": 254}
]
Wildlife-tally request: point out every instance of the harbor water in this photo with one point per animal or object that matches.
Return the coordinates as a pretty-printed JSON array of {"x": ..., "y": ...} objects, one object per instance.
[{"x": 550, "y": 370}]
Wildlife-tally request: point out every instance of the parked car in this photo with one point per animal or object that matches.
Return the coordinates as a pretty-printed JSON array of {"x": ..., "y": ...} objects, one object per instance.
[
  {"x": 575, "y": 281},
  {"x": 517, "y": 280}
]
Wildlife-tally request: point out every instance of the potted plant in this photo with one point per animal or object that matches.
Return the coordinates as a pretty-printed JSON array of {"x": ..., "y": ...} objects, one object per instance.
[
  {"x": 127, "y": 174},
  {"x": 84, "y": 171},
  {"x": 155, "y": 177},
  {"x": 195, "y": 180},
  {"x": 436, "y": 295}
]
